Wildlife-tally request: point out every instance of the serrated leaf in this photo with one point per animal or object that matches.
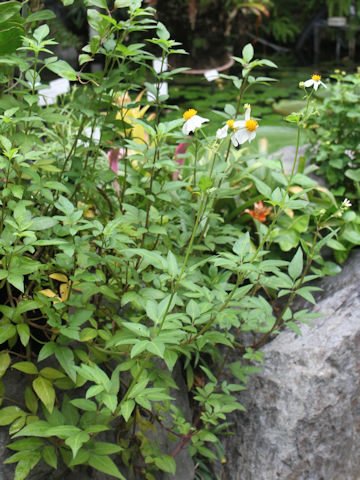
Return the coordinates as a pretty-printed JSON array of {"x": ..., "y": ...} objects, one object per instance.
[
  {"x": 48, "y": 454},
  {"x": 75, "y": 442},
  {"x": 127, "y": 408}
]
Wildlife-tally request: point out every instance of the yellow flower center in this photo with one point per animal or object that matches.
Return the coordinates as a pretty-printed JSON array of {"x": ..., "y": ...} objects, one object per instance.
[
  {"x": 189, "y": 113},
  {"x": 316, "y": 77},
  {"x": 230, "y": 124},
  {"x": 251, "y": 125}
]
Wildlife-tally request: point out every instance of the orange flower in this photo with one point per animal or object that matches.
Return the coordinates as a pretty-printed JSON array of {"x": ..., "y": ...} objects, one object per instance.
[{"x": 260, "y": 212}]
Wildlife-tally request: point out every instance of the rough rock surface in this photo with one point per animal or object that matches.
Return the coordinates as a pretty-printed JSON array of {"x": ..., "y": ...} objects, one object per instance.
[{"x": 303, "y": 409}]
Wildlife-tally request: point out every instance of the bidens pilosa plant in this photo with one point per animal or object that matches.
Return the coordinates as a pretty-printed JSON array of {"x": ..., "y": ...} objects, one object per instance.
[{"x": 113, "y": 273}]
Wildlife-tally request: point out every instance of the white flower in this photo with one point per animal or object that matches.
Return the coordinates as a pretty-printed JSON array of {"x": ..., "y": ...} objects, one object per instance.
[
  {"x": 193, "y": 121},
  {"x": 346, "y": 203},
  {"x": 314, "y": 81},
  {"x": 222, "y": 132},
  {"x": 242, "y": 130},
  {"x": 350, "y": 154},
  {"x": 246, "y": 129}
]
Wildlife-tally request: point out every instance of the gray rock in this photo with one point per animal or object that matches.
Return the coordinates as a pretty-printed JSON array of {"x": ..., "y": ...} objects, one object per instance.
[{"x": 303, "y": 409}]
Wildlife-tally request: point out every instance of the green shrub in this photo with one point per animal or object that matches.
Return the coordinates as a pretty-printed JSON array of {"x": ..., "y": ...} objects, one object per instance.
[
  {"x": 115, "y": 275},
  {"x": 335, "y": 149}
]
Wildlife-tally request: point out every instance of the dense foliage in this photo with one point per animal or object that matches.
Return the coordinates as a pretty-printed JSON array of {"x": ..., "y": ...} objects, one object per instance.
[
  {"x": 118, "y": 263},
  {"x": 336, "y": 149}
]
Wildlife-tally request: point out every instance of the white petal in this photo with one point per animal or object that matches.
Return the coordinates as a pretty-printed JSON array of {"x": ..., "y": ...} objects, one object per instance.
[
  {"x": 222, "y": 132},
  {"x": 316, "y": 85},
  {"x": 186, "y": 128},
  {"x": 234, "y": 141},
  {"x": 252, "y": 135},
  {"x": 242, "y": 136},
  {"x": 247, "y": 114},
  {"x": 309, "y": 83},
  {"x": 323, "y": 84},
  {"x": 240, "y": 124}
]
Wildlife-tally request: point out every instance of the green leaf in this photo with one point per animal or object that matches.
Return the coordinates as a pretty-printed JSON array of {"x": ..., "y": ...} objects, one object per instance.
[
  {"x": 296, "y": 265},
  {"x": 47, "y": 350},
  {"x": 41, "y": 33},
  {"x": 127, "y": 408},
  {"x": 104, "y": 464},
  {"x": 96, "y": 3},
  {"x": 38, "y": 428},
  {"x": 9, "y": 414},
  {"x": 170, "y": 358},
  {"x": 137, "y": 328},
  {"x": 42, "y": 223},
  {"x": 205, "y": 183},
  {"x": 172, "y": 264},
  {"x": 122, "y": 3},
  {"x": 110, "y": 401},
  {"x": 45, "y": 391},
  {"x": 152, "y": 311},
  {"x": 10, "y": 36},
  {"x": 49, "y": 455},
  {"x": 26, "y": 367},
  {"x": 24, "y": 333},
  {"x": 242, "y": 246},
  {"x": 139, "y": 348},
  {"x": 26, "y": 444},
  {"x": 248, "y": 53},
  {"x": 17, "y": 280},
  {"x": 353, "y": 174},
  {"x": 40, "y": 16},
  {"x": 65, "y": 357},
  {"x": 5, "y": 361},
  {"x": 51, "y": 373},
  {"x": 8, "y": 10},
  {"x": 62, "y": 431},
  {"x": 156, "y": 347},
  {"x": 75, "y": 442},
  {"x": 7, "y": 331},
  {"x": 105, "y": 448},
  {"x": 162, "y": 32},
  {"x": 25, "y": 465},
  {"x": 84, "y": 404},
  {"x": 166, "y": 463},
  {"x": 63, "y": 69},
  {"x": 31, "y": 401}
]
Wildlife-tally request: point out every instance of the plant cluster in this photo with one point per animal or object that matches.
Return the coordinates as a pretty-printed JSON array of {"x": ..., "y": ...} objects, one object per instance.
[
  {"x": 118, "y": 262},
  {"x": 335, "y": 149}
]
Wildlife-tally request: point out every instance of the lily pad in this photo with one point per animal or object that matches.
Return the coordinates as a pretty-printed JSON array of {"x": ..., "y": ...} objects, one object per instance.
[{"x": 285, "y": 107}]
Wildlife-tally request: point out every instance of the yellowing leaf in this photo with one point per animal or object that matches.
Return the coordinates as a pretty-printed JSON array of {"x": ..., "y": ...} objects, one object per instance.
[
  {"x": 48, "y": 293},
  {"x": 60, "y": 277},
  {"x": 64, "y": 291}
]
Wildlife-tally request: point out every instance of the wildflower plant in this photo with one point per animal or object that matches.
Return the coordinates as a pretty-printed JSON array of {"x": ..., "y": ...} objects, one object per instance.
[
  {"x": 335, "y": 150},
  {"x": 112, "y": 275}
]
